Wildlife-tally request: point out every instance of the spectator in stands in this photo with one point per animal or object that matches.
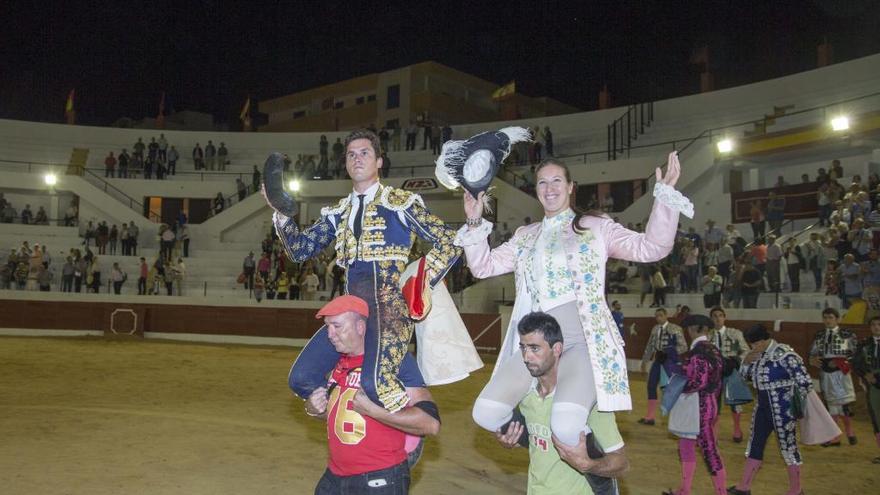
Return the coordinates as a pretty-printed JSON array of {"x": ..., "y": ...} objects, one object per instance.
[
  {"x": 412, "y": 131},
  {"x": 309, "y": 285},
  {"x": 282, "y": 286},
  {"x": 608, "y": 203},
  {"x": 690, "y": 253},
  {"x": 81, "y": 266},
  {"x": 45, "y": 275},
  {"x": 780, "y": 182},
  {"x": 167, "y": 237},
  {"x": 122, "y": 162},
  {"x": 219, "y": 203},
  {"x": 110, "y": 166},
  {"x": 338, "y": 274},
  {"x": 143, "y": 271},
  {"x": 850, "y": 275},
  {"x": 775, "y": 212},
  {"x": 222, "y": 156},
  {"x": 814, "y": 255},
  {"x": 861, "y": 206},
  {"x": 871, "y": 270},
  {"x": 113, "y": 239},
  {"x": 67, "y": 275},
  {"x": 774, "y": 261},
  {"x": 840, "y": 214},
  {"x": 27, "y": 215},
  {"x": 548, "y": 141},
  {"x": 794, "y": 263},
  {"x": 860, "y": 239},
  {"x": 264, "y": 265},
  {"x": 757, "y": 218},
  {"x": 836, "y": 171},
  {"x": 386, "y": 165},
  {"x": 710, "y": 257},
  {"x": 3, "y": 201},
  {"x": 256, "y": 178},
  {"x": 148, "y": 168},
  {"x": 383, "y": 135},
  {"x": 805, "y": 178},
  {"x": 320, "y": 270},
  {"x": 339, "y": 162},
  {"x": 173, "y": 156},
  {"x": 102, "y": 237},
  {"x": 259, "y": 288},
  {"x": 162, "y": 148},
  {"x": 445, "y": 134},
  {"x": 711, "y": 286},
  {"x": 198, "y": 156},
  {"x": 435, "y": 139},
  {"x": 713, "y": 234},
  {"x": 822, "y": 176},
  {"x": 9, "y": 213},
  {"x": 161, "y": 170},
  {"x": 824, "y": 201},
  {"x": 241, "y": 188},
  {"x": 658, "y": 284},
  {"x": 41, "y": 218},
  {"x": 93, "y": 278},
  {"x": 139, "y": 148},
  {"x": 726, "y": 254},
  {"x": 210, "y": 155},
  {"x": 617, "y": 314},
  {"x": 183, "y": 237},
  {"x": 152, "y": 151},
  {"x": 248, "y": 267},
  {"x": 117, "y": 277}
]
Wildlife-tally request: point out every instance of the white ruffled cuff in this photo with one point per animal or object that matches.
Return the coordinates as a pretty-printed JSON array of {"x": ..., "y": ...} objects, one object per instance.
[
  {"x": 468, "y": 237},
  {"x": 673, "y": 199}
]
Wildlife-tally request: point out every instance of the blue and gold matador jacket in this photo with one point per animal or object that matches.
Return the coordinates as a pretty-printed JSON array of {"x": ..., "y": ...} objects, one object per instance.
[{"x": 391, "y": 222}]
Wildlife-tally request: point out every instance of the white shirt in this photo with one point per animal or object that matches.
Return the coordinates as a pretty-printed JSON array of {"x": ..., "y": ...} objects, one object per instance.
[{"x": 699, "y": 339}]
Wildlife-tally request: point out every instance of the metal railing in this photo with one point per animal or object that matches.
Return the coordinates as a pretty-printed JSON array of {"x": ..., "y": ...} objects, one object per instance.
[{"x": 628, "y": 127}]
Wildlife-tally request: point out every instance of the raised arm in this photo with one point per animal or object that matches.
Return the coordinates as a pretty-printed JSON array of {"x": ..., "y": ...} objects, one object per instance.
[
  {"x": 305, "y": 244},
  {"x": 659, "y": 236},
  {"x": 483, "y": 261}
]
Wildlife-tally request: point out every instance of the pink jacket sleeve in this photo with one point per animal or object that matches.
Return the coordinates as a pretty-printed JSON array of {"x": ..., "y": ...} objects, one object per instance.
[
  {"x": 657, "y": 241},
  {"x": 485, "y": 262}
]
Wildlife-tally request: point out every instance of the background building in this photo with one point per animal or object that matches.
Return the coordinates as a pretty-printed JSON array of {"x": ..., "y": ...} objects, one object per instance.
[{"x": 424, "y": 92}]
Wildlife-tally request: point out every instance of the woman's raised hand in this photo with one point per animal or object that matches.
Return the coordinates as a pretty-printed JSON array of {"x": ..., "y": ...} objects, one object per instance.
[
  {"x": 473, "y": 207},
  {"x": 673, "y": 171}
]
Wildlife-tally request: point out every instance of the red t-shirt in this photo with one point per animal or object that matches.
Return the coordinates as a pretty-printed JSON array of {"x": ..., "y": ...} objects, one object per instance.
[{"x": 358, "y": 444}]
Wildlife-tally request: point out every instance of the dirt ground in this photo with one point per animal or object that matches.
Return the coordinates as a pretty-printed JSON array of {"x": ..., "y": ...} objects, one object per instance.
[{"x": 94, "y": 416}]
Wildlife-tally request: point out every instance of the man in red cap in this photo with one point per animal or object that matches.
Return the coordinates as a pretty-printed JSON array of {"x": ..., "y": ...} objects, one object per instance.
[{"x": 367, "y": 444}]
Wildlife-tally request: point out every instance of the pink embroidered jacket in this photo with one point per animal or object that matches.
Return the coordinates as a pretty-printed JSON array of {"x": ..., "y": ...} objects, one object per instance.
[{"x": 586, "y": 256}]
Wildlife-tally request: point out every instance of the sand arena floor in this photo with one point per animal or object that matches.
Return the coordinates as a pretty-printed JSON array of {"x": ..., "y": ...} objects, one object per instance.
[{"x": 94, "y": 416}]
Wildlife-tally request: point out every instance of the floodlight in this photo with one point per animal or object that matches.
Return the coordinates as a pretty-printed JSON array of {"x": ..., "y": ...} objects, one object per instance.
[
  {"x": 293, "y": 185},
  {"x": 50, "y": 179},
  {"x": 840, "y": 123},
  {"x": 725, "y": 146}
]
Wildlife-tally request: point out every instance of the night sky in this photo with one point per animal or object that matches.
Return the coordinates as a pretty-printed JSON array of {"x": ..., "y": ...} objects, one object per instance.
[{"x": 209, "y": 55}]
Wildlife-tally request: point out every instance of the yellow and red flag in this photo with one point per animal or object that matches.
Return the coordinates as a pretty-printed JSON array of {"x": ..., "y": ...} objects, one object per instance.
[{"x": 504, "y": 91}]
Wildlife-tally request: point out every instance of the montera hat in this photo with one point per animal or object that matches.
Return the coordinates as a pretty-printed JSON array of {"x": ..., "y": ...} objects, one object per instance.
[{"x": 473, "y": 163}]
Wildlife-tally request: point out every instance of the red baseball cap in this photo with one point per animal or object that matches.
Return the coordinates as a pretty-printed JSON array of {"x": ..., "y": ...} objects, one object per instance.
[{"x": 343, "y": 304}]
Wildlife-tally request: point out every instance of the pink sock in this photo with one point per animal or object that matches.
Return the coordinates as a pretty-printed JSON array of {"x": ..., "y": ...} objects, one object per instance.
[
  {"x": 652, "y": 408},
  {"x": 719, "y": 481},
  {"x": 847, "y": 425},
  {"x": 749, "y": 473},
  {"x": 688, "y": 454},
  {"x": 794, "y": 480},
  {"x": 737, "y": 430}
]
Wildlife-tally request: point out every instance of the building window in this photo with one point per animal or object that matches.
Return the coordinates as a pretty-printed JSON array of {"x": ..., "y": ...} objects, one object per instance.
[
  {"x": 339, "y": 104},
  {"x": 371, "y": 98},
  {"x": 393, "y": 97},
  {"x": 299, "y": 114},
  {"x": 359, "y": 100}
]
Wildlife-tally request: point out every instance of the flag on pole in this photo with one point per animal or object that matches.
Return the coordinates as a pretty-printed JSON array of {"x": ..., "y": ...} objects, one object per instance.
[
  {"x": 245, "y": 115},
  {"x": 69, "y": 112},
  {"x": 504, "y": 91},
  {"x": 160, "y": 119}
]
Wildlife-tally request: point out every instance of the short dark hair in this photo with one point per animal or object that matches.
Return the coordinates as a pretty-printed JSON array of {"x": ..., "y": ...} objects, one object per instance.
[
  {"x": 831, "y": 311},
  {"x": 364, "y": 134},
  {"x": 660, "y": 310},
  {"x": 702, "y": 322},
  {"x": 717, "y": 308},
  {"x": 873, "y": 318},
  {"x": 542, "y": 323},
  {"x": 756, "y": 333}
]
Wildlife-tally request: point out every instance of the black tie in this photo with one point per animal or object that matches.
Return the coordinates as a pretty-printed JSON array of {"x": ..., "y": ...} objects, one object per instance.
[{"x": 358, "y": 219}]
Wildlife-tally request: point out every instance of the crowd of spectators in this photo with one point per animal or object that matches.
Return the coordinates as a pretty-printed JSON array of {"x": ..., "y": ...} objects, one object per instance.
[{"x": 273, "y": 275}]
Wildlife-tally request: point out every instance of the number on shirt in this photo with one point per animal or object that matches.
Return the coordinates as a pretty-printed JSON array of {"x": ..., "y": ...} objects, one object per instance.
[{"x": 349, "y": 426}]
